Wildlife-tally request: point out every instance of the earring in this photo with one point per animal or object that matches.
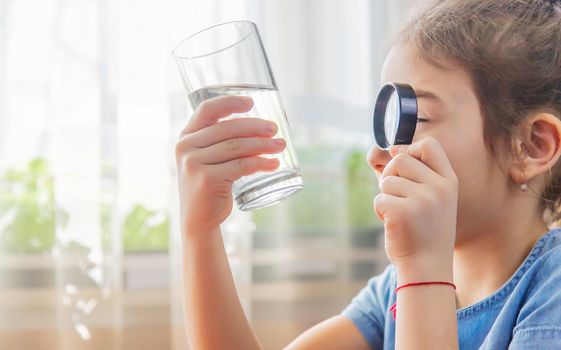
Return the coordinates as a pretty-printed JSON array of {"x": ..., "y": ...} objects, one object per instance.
[{"x": 523, "y": 186}]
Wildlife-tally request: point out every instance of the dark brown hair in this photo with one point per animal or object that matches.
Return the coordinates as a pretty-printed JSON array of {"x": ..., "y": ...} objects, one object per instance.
[{"x": 512, "y": 49}]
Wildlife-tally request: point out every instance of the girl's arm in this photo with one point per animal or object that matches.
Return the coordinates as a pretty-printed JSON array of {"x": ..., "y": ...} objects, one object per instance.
[
  {"x": 214, "y": 317},
  {"x": 211, "y": 154},
  {"x": 418, "y": 205},
  {"x": 426, "y": 315}
]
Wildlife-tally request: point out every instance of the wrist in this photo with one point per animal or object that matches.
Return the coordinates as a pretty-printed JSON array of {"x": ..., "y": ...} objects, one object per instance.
[
  {"x": 424, "y": 270},
  {"x": 194, "y": 239}
]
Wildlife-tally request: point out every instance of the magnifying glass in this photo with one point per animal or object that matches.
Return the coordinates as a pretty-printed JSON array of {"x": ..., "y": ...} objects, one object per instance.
[{"x": 395, "y": 115}]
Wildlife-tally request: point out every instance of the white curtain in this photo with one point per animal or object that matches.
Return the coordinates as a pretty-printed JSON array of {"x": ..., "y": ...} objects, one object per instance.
[{"x": 90, "y": 106}]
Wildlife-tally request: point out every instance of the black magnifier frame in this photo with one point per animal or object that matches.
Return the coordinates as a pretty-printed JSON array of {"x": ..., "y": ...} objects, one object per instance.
[{"x": 407, "y": 115}]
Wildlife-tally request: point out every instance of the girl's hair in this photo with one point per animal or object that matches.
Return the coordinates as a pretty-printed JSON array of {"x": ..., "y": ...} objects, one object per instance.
[{"x": 512, "y": 50}]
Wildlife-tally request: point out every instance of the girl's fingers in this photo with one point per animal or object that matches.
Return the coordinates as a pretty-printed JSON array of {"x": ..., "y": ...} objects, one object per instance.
[
  {"x": 237, "y": 168},
  {"x": 430, "y": 152},
  {"x": 406, "y": 166},
  {"x": 384, "y": 203},
  {"x": 230, "y": 129},
  {"x": 237, "y": 148},
  {"x": 211, "y": 110},
  {"x": 398, "y": 186}
]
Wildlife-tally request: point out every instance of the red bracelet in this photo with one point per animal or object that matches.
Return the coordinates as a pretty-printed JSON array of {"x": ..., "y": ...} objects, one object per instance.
[{"x": 393, "y": 308}]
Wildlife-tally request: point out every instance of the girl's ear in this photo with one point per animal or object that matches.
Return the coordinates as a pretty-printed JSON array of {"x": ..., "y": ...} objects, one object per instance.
[{"x": 538, "y": 147}]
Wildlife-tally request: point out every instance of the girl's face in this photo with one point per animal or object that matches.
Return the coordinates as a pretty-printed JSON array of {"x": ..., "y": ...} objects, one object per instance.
[{"x": 450, "y": 107}]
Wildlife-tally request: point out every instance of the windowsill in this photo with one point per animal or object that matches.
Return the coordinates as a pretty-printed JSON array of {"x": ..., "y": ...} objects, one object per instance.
[{"x": 140, "y": 271}]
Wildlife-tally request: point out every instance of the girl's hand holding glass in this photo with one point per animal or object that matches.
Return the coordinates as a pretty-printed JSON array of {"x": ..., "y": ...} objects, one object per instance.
[{"x": 212, "y": 154}]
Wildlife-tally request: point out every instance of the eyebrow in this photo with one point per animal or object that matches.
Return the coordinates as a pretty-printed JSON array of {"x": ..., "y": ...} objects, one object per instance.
[{"x": 428, "y": 94}]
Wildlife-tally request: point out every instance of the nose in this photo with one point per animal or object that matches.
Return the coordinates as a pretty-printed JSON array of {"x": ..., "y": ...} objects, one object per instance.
[{"x": 377, "y": 159}]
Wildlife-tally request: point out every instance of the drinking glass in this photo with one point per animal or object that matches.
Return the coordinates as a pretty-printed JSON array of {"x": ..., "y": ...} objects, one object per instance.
[{"x": 229, "y": 59}]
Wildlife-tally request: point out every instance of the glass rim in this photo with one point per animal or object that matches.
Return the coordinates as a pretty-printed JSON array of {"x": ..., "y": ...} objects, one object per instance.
[{"x": 174, "y": 53}]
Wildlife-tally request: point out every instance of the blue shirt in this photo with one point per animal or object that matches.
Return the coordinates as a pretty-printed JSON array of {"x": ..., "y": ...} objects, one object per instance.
[{"x": 525, "y": 313}]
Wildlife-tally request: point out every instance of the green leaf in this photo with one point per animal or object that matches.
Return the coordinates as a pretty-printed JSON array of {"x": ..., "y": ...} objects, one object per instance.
[{"x": 27, "y": 207}]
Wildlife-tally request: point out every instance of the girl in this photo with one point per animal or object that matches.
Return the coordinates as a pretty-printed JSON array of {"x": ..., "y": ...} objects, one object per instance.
[{"x": 466, "y": 207}]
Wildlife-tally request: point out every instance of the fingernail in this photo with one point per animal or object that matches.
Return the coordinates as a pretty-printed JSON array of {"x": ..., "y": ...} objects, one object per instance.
[
  {"x": 272, "y": 128},
  {"x": 280, "y": 142}
]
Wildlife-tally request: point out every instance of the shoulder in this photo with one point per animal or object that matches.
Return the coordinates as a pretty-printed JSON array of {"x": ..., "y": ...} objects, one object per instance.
[
  {"x": 547, "y": 267},
  {"x": 540, "y": 313},
  {"x": 374, "y": 297},
  {"x": 370, "y": 307},
  {"x": 378, "y": 291}
]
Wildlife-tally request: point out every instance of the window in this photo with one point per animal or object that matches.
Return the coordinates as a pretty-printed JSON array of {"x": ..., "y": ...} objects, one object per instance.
[{"x": 90, "y": 107}]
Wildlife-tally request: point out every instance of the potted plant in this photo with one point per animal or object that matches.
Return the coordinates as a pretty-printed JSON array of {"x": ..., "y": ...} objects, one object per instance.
[{"x": 28, "y": 219}]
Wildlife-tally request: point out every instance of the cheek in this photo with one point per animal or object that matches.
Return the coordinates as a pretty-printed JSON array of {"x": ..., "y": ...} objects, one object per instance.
[
  {"x": 468, "y": 157},
  {"x": 470, "y": 162},
  {"x": 462, "y": 141},
  {"x": 481, "y": 185}
]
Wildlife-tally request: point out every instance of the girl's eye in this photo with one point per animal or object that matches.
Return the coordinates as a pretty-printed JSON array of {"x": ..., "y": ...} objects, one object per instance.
[{"x": 422, "y": 120}]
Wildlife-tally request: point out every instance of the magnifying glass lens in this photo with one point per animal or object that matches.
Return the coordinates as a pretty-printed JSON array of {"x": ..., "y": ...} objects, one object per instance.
[{"x": 391, "y": 118}]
